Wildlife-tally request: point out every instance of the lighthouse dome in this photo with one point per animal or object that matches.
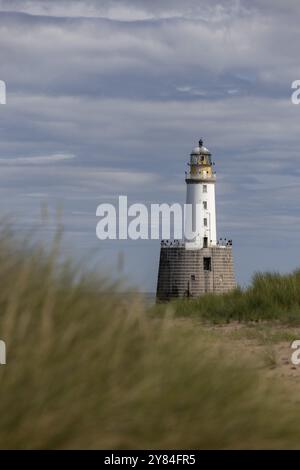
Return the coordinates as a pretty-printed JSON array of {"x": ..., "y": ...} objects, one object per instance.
[{"x": 200, "y": 149}]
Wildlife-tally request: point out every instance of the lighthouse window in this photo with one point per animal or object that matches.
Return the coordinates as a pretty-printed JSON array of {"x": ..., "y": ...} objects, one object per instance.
[
  {"x": 204, "y": 205},
  {"x": 205, "y": 188},
  {"x": 207, "y": 264},
  {"x": 205, "y": 222}
]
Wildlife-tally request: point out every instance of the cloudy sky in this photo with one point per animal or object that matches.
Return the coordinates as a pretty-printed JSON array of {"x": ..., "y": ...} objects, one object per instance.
[{"x": 108, "y": 97}]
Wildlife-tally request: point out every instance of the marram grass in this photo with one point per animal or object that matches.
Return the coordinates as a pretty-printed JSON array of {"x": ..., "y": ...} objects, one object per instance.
[
  {"x": 88, "y": 370},
  {"x": 270, "y": 296}
]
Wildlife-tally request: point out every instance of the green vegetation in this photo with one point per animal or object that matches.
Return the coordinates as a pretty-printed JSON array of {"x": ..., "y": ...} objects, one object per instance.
[
  {"x": 86, "y": 369},
  {"x": 270, "y": 296}
]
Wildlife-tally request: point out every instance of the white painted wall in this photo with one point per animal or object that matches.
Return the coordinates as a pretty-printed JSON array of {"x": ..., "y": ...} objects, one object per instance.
[{"x": 196, "y": 213}]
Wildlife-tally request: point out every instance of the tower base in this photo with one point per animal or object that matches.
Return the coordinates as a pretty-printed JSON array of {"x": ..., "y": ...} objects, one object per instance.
[{"x": 192, "y": 273}]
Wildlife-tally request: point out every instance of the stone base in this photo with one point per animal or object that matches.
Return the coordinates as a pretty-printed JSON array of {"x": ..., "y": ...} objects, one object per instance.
[{"x": 192, "y": 273}]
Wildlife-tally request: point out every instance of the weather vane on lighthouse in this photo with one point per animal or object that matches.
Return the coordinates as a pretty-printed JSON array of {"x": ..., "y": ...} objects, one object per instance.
[{"x": 199, "y": 264}]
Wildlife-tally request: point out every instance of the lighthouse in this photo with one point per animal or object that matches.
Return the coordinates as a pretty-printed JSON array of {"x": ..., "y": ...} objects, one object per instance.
[
  {"x": 200, "y": 263},
  {"x": 200, "y": 220}
]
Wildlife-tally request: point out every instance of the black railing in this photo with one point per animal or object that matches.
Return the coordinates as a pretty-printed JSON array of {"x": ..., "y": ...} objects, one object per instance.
[
  {"x": 180, "y": 243},
  {"x": 172, "y": 243},
  {"x": 224, "y": 242}
]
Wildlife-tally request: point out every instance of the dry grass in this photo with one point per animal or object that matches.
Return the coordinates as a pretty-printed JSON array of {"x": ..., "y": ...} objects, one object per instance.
[{"x": 88, "y": 370}]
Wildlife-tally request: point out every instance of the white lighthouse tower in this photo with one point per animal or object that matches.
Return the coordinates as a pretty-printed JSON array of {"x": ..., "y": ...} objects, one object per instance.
[
  {"x": 200, "y": 214},
  {"x": 198, "y": 264}
]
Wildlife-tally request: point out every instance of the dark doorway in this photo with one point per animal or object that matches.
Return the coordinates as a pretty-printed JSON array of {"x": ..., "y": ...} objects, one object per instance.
[{"x": 207, "y": 264}]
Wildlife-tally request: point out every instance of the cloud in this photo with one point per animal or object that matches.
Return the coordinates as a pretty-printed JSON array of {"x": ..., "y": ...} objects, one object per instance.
[
  {"x": 129, "y": 87},
  {"x": 39, "y": 160},
  {"x": 138, "y": 10},
  {"x": 184, "y": 89},
  {"x": 124, "y": 10},
  {"x": 84, "y": 56}
]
